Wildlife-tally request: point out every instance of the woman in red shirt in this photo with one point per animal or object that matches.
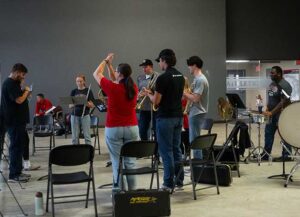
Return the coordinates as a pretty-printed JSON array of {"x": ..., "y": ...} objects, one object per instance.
[{"x": 121, "y": 123}]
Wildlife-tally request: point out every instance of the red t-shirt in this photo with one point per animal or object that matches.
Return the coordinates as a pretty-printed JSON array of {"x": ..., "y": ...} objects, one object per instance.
[
  {"x": 185, "y": 116},
  {"x": 42, "y": 106},
  {"x": 120, "y": 110}
]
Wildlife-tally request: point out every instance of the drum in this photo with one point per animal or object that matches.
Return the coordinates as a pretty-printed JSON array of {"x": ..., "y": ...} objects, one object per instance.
[{"x": 289, "y": 124}]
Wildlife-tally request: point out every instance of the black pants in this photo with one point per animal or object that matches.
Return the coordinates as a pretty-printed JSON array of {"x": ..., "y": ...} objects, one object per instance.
[{"x": 26, "y": 146}]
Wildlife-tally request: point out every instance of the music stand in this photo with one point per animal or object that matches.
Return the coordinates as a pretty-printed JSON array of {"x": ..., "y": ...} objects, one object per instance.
[{"x": 236, "y": 102}]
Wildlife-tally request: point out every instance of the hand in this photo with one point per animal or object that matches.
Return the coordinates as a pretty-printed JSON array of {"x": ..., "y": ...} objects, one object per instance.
[
  {"x": 146, "y": 91},
  {"x": 26, "y": 88},
  {"x": 267, "y": 113},
  {"x": 109, "y": 58},
  {"x": 90, "y": 104}
]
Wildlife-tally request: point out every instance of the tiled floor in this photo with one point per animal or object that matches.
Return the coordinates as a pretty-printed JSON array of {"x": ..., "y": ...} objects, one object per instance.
[{"x": 250, "y": 195}]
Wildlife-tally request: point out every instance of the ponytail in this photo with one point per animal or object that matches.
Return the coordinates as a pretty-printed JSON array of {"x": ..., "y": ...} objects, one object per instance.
[{"x": 126, "y": 71}]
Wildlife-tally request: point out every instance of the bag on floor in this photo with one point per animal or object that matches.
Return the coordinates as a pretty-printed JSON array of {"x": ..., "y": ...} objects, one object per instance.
[
  {"x": 141, "y": 203},
  {"x": 208, "y": 176}
]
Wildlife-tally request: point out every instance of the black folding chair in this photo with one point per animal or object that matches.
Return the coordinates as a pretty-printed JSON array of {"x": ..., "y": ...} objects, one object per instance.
[
  {"x": 206, "y": 124},
  {"x": 203, "y": 142},
  {"x": 139, "y": 149},
  {"x": 66, "y": 156},
  {"x": 43, "y": 126}
]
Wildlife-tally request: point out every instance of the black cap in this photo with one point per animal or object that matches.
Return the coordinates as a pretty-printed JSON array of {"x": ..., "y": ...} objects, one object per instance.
[
  {"x": 146, "y": 62},
  {"x": 165, "y": 53}
]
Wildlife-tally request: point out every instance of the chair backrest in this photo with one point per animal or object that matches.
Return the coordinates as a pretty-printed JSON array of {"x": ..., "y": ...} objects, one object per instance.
[
  {"x": 139, "y": 149},
  {"x": 71, "y": 155},
  {"x": 43, "y": 120},
  {"x": 204, "y": 141},
  {"x": 207, "y": 124}
]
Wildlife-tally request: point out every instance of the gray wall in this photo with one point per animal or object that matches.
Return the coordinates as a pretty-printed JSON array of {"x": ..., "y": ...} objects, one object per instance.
[{"x": 58, "y": 39}]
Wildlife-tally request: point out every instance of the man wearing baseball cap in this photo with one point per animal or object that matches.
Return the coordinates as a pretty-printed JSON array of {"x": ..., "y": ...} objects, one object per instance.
[
  {"x": 167, "y": 96},
  {"x": 146, "y": 80}
]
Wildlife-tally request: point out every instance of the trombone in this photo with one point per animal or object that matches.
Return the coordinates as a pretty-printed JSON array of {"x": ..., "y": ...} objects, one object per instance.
[{"x": 149, "y": 86}]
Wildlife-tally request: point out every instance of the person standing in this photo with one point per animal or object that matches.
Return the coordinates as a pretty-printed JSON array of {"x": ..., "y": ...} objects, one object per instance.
[
  {"x": 15, "y": 112},
  {"x": 80, "y": 116},
  {"x": 277, "y": 101},
  {"x": 169, "y": 117},
  {"x": 199, "y": 99},
  {"x": 121, "y": 122},
  {"x": 145, "y": 80}
]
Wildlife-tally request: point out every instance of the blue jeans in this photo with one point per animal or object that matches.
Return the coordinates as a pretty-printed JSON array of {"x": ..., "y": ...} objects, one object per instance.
[
  {"x": 84, "y": 122},
  {"x": 115, "y": 138},
  {"x": 144, "y": 124},
  {"x": 168, "y": 138},
  {"x": 195, "y": 130},
  {"x": 18, "y": 136},
  {"x": 270, "y": 131}
]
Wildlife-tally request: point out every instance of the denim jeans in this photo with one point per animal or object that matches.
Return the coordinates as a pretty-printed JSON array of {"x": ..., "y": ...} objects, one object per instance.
[
  {"x": 145, "y": 123},
  {"x": 168, "y": 138},
  {"x": 270, "y": 131},
  {"x": 84, "y": 122},
  {"x": 115, "y": 138},
  {"x": 17, "y": 136},
  {"x": 195, "y": 130}
]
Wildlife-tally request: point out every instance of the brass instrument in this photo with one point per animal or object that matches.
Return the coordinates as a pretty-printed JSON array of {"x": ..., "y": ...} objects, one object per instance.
[
  {"x": 225, "y": 110},
  {"x": 149, "y": 86},
  {"x": 188, "y": 89}
]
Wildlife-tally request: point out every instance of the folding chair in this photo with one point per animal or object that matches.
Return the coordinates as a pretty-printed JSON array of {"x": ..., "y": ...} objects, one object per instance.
[
  {"x": 206, "y": 124},
  {"x": 139, "y": 149},
  {"x": 66, "y": 156},
  {"x": 43, "y": 126},
  {"x": 205, "y": 142}
]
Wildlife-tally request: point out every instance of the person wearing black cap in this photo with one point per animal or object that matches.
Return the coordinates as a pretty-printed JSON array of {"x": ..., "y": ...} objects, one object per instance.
[
  {"x": 169, "y": 117},
  {"x": 199, "y": 99},
  {"x": 146, "y": 80}
]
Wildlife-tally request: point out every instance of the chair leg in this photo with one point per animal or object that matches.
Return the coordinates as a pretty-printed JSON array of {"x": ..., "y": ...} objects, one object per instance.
[
  {"x": 48, "y": 188},
  {"x": 151, "y": 182},
  {"x": 98, "y": 140},
  {"x": 193, "y": 183},
  {"x": 87, "y": 195},
  {"x": 94, "y": 193},
  {"x": 52, "y": 200},
  {"x": 216, "y": 178},
  {"x": 33, "y": 144},
  {"x": 157, "y": 177},
  {"x": 53, "y": 140}
]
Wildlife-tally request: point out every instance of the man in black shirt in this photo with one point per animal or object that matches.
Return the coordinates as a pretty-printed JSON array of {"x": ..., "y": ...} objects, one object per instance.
[
  {"x": 167, "y": 96},
  {"x": 15, "y": 113},
  {"x": 276, "y": 103}
]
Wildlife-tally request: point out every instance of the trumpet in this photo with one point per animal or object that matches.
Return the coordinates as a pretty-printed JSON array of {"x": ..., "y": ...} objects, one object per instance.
[{"x": 149, "y": 86}]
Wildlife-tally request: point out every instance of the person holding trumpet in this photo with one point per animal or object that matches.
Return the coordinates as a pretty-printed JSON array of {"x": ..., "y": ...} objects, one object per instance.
[
  {"x": 121, "y": 124},
  {"x": 146, "y": 80}
]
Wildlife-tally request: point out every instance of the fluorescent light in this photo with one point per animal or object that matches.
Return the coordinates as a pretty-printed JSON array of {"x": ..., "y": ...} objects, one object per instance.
[{"x": 237, "y": 61}]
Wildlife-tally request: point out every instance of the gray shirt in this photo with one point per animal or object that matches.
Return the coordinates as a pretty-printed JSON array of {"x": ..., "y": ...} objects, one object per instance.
[
  {"x": 143, "y": 81},
  {"x": 200, "y": 86}
]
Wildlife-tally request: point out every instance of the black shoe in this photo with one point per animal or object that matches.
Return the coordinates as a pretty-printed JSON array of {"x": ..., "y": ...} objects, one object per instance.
[{"x": 280, "y": 159}]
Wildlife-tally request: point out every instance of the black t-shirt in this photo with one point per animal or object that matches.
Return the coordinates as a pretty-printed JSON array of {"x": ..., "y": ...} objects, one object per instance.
[
  {"x": 12, "y": 112},
  {"x": 78, "y": 109},
  {"x": 170, "y": 85}
]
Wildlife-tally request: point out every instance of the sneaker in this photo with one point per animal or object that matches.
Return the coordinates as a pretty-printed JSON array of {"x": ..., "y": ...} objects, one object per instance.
[
  {"x": 25, "y": 175},
  {"x": 178, "y": 188},
  {"x": 166, "y": 188},
  {"x": 31, "y": 168},
  {"x": 18, "y": 179}
]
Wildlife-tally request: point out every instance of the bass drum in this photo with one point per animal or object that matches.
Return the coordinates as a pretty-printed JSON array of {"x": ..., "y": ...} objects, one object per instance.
[{"x": 289, "y": 124}]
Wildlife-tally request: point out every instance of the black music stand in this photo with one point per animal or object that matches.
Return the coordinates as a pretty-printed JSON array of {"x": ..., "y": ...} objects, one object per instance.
[{"x": 236, "y": 102}]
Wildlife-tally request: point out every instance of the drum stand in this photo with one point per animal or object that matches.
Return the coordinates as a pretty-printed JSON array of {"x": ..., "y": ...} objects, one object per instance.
[
  {"x": 261, "y": 151},
  {"x": 283, "y": 175}
]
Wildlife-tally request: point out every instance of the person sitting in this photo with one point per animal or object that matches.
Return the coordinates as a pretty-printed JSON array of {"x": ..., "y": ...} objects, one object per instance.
[{"x": 42, "y": 105}]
